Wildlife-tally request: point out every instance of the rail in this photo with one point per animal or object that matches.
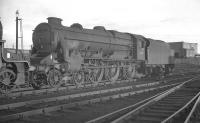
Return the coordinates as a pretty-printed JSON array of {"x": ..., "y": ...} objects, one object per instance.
[
  {"x": 57, "y": 106},
  {"x": 193, "y": 110},
  {"x": 170, "y": 118},
  {"x": 137, "y": 110},
  {"x": 110, "y": 115}
]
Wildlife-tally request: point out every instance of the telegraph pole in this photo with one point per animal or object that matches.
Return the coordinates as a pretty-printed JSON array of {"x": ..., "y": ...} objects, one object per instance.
[
  {"x": 17, "y": 15},
  {"x": 1, "y": 31},
  {"x": 21, "y": 31}
]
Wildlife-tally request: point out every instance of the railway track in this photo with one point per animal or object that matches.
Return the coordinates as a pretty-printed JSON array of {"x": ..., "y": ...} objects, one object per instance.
[
  {"x": 19, "y": 108},
  {"x": 194, "y": 115},
  {"x": 8, "y": 103},
  {"x": 179, "y": 104},
  {"x": 29, "y": 91},
  {"x": 60, "y": 103}
]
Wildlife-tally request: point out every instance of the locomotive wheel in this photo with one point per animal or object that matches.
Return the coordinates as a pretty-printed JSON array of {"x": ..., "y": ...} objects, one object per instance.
[
  {"x": 38, "y": 80},
  {"x": 78, "y": 78},
  {"x": 99, "y": 74},
  {"x": 89, "y": 77},
  {"x": 114, "y": 73},
  {"x": 125, "y": 73},
  {"x": 132, "y": 71},
  {"x": 129, "y": 71},
  {"x": 7, "y": 79},
  {"x": 107, "y": 74},
  {"x": 92, "y": 75},
  {"x": 54, "y": 77}
]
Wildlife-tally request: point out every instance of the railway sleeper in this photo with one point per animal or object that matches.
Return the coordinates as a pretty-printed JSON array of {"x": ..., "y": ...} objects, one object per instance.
[
  {"x": 163, "y": 108},
  {"x": 155, "y": 114},
  {"x": 184, "y": 91},
  {"x": 175, "y": 95},
  {"x": 37, "y": 118},
  {"x": 144, "y": 119},
  {"x": 177, "y": 98},
  {"x": 160, "y": 111},
  {"x": 195, "y": 120},
  {"x": 171, "y": 102},
  {"x": 196, "y": 116},
  {"x": 174, "y": 100},
  {"x": 28, "y": 120},
  {"x": 182, "y": 95},
  {"x": 168, "y": 105}
]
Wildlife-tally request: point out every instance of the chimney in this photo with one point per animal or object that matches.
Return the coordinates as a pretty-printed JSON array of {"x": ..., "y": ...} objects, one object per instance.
[{"x": 54, "y": 20}]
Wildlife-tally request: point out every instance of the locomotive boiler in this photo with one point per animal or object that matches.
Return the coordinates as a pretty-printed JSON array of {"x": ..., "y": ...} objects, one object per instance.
[{"x": 75, "y": 55}]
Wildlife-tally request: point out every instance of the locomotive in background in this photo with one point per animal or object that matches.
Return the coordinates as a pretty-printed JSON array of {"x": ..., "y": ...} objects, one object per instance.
[
  {"x": 78, "y": 56},
  {"x": 14, "y": 70}
]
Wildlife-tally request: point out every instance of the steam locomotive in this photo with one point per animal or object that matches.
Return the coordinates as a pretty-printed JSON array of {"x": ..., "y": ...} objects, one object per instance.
[
  {"x": 14, "y": 70},
  {"x": 78, "y": 56}
]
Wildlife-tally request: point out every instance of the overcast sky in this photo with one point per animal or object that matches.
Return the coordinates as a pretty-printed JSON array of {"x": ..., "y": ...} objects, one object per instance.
[{"x": 168, "y": 20}]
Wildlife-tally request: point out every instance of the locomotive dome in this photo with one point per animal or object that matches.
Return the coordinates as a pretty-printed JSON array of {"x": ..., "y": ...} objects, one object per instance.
[
  {"x": 100, "y": 28},
  {"x": 77, "y": 26}
]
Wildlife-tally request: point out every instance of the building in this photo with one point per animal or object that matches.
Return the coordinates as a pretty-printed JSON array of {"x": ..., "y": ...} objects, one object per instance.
[{"x": 183, "y": 49}]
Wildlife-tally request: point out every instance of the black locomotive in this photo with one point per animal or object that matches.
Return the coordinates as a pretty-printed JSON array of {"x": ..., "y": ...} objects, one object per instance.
[{"x": 75, "y": 55}]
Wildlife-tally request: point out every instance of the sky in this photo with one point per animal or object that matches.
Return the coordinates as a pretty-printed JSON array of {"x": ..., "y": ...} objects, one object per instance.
[{"x": 167, "y": 20}]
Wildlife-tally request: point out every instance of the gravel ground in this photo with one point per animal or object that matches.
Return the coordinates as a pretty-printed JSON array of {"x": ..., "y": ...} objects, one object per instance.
[
  {"x": 85, "y": 113},
  {"x": 88, "y": 112}
]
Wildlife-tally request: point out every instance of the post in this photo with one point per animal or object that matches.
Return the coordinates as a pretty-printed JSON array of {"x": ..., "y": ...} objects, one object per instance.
[
  {"x": 17, "y": 14},
  {"x": 1, "y": 31},
  {"x": 21, "y": 35}
]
